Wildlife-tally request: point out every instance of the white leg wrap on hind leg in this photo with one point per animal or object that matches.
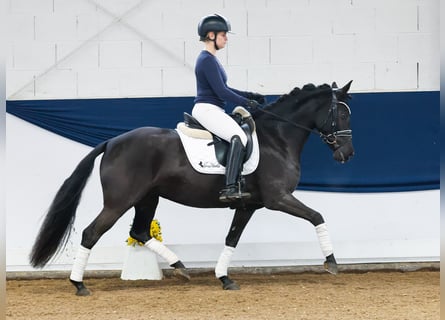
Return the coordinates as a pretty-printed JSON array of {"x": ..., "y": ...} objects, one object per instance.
[
  {"x": 80, "y": 264},
  {"x": 324, "y": 239},
  {"x": 160, "y": 249},
  {"x": 224, "y": 261}
]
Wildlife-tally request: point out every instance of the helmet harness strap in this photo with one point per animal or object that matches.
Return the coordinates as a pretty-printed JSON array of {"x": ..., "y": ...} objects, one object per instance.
[{"x": 214, "y": 40}]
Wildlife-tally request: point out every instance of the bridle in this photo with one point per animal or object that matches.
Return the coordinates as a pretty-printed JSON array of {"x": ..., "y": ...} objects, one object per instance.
[{"x": 330, "y": 138}]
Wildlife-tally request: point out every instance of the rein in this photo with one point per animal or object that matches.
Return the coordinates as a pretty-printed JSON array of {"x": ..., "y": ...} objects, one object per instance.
[
  {"x": 288, "y": 121},
  {"x": 330, "y": 138}
]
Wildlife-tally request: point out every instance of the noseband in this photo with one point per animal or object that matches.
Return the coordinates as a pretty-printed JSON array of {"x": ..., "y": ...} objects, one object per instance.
[{"x": 330, "y": 138}]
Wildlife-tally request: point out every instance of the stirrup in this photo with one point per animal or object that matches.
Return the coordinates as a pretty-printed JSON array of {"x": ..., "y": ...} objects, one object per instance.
[{"x": 232, "y": 193}]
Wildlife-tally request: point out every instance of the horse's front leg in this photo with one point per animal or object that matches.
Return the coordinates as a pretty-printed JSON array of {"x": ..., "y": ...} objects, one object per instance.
[
  {"x": 289, "y": 204},
  {"x": 239, "y": 222}
]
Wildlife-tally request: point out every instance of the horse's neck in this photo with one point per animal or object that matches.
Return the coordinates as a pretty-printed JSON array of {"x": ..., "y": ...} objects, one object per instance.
[
  {"x": 288, "y": 132},
  {"x": 286, "y": 139}
]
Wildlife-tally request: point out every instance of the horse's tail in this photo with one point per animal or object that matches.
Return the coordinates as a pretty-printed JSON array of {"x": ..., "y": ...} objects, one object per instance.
[{"x": 56, "y": 227}]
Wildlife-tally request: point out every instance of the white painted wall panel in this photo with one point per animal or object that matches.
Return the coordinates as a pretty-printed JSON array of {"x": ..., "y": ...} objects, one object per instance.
[
  {"x": 148, "y": 22},
  {"x": 176, "y": 25},
  {"x": 259, "y": 22},
  {"x": 191, "y": 51},
  {"x": 120, "y": 54},
  {"x": 362, "y": 74},
  {"x": 251, "y": 51},
  {"x": 429, "y": 17},
  {"x": 429, "y": 75},
  {"x": 239, "y": 76},
  {"x": 32, "y": 7},
  {"x": 376, "y": 48},
  {"x": 119, "y": 32},
  {"x": 334, "y": 49},
  {"x": 397, "y": 17},
  {"x": 98, "y": 83},
  {"x": 73, "y": 7},
  {"x": 301, "y": 4},
  {"x": 90, "y": 24},
  {"x": 165, "y": 53},
  {"x": 34, "y": 56},
  {"x": 421, "y": 48},
  {"x": 178, "y": 81},
  {"x": 354, "y": 21},
  {"x": 400, "y": 76},
  {"x": 264, "y": 79},
  {"x": 21, "y": 82},
  {"x": 60, "y": 82},
  {"x": 77, "y": 55},
  {"x": 311, "y": 21},
  {"x": 55, "y": 27},
  {"x": 20, "y": 27},
  {"x": 138, "y": 82},
  {"x": 292, "y": 50}
]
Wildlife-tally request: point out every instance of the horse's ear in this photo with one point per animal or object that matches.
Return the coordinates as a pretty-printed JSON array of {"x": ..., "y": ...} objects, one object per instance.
[
  {"x": 343, "y": 92},
  {"x": 346, "y": 88},
  {"x": 334, "y": 85}
]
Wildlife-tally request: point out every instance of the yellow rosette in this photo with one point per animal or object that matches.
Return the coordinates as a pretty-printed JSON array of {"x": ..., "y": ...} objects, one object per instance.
[{"x": 155, "y": 232}]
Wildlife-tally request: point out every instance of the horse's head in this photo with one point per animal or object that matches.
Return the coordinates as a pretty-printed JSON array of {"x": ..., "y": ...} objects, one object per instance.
[
  {"x": 328, "y": 114},
  {"x": 335, "y": 129}
]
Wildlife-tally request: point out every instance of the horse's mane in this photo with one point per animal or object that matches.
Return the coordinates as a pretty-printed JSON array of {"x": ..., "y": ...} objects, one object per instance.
[{"x": 308, "y": 91}]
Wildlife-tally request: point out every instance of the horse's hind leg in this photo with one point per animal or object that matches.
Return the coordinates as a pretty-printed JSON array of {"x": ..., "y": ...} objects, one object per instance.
[
  {"x": 140, "y": 230},
  {"x": 90, "y": 235},
  {"x": 144, "y": 213}
]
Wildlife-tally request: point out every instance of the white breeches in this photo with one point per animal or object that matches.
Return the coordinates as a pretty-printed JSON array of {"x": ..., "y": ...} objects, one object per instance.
[{"x": 216, "y": 120}]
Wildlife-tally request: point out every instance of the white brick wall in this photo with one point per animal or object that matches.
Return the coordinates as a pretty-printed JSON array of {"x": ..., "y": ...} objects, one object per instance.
[
  {"x": 120, "y": 54},
  {"x": 117, "y": 48}
]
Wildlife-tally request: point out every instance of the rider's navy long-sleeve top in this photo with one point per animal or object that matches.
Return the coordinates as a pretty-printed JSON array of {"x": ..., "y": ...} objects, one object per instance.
[{"x": 211, "y": 83}]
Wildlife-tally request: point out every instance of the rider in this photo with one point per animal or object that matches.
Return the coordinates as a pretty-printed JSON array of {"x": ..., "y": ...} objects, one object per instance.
[{"x": 212, "y": 92}]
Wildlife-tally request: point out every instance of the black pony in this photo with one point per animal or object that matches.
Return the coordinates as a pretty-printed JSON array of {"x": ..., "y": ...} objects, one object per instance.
[{"x": 144, "y": 164}]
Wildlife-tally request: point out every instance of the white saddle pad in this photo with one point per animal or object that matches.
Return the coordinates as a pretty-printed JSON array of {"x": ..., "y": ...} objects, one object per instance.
[{"x": 203, "y": 159}]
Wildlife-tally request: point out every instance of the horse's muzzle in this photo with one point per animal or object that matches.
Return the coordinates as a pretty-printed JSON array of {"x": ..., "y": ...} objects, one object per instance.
[{"x": 344, "y": 152}]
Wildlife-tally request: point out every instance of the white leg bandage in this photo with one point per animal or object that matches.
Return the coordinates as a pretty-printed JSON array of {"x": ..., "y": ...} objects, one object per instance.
[
  {"x": 223, "y": 261},
  {"x": 324, "y": 239},
  {"x": 80, "y": 264},
  {"x": 160, "y": 249}
]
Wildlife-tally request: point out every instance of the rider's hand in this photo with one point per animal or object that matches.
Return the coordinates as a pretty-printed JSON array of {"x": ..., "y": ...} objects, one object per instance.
[
  {"x": 253, "y": 104},
  {"x": 257, "y": 97}
]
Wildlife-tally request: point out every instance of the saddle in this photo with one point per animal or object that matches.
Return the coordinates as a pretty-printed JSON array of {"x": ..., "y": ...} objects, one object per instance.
[{"x": 192, "y": 128}]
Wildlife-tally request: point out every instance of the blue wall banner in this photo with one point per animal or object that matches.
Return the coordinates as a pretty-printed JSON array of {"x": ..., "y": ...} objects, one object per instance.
[{"x": 395, "y": 135}]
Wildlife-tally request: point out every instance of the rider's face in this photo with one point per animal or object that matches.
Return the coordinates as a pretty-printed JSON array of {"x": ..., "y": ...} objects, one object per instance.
[{"x": 221, "y": 39}]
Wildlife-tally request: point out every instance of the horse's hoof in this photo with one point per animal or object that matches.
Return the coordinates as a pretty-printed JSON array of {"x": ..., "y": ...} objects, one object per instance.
[
  {"x": 83, "y": 292},
  {"x": 81, "y": 289},
  {"x": 231, "y": 286},
  {"x": 181, "y": 274},
  {"x": 330, "y": 265},
  {"x": 228, "y": 284}
]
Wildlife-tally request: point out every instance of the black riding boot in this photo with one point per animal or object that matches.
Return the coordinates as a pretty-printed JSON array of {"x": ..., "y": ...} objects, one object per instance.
[{"x": 235, "y": 157}]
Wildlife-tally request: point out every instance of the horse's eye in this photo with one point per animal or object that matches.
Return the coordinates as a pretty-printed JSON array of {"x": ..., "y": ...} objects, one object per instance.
[{"x": 343, "y": 116}]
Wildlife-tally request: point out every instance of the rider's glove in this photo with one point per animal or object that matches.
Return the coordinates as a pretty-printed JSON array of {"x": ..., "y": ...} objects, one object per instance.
[
  {"x": 252, "y": 104},
  {"x": 257, "y": 97}
]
